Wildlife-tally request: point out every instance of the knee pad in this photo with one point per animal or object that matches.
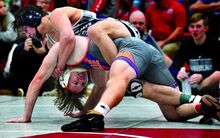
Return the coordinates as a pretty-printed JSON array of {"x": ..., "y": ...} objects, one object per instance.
[{"x": 135, "y": 88}]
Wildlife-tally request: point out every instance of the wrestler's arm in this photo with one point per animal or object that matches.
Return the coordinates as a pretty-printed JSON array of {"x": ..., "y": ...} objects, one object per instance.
[
  {"x": 60, "y": 20},
  {"x": 44, "y": 72},
  {"x": 102, "y": 34}
]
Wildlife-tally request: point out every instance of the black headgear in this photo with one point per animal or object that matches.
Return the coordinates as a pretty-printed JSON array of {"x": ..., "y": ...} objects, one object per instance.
[{"x": 30, "y": 18}]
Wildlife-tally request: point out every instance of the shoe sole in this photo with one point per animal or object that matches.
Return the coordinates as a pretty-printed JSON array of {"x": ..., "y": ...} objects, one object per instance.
[
  {"x": 210, "y": 101},
  {"x": 85, "y": 130},
  {"x": 82, "y": 128},
  {"x": 206, "y": 120}
]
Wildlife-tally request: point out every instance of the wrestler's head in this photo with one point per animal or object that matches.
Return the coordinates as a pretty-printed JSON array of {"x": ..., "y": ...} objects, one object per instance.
[
  {"x": 75, "y": 80},
  {"x": 28, "y": 16},
  {"x": 27, "y": 19},
  {"x": 71, "y": 88}
]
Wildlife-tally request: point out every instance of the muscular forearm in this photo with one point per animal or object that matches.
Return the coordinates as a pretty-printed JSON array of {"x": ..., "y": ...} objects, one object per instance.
[
  {"x": 31, "y": 97},
  {"x": 156, "y": 93}
]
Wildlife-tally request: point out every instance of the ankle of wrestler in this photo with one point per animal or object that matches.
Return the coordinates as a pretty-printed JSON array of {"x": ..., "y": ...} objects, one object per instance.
[
  {"x": 102, "y": 108},
  {"x": 187, "y": 98}
]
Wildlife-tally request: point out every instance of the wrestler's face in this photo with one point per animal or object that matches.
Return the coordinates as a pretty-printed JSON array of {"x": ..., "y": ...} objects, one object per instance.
[
  {"x": 197, "y": 29},
  {"x": 77, "y": 81},
  {"x": 29, "y": 31}
]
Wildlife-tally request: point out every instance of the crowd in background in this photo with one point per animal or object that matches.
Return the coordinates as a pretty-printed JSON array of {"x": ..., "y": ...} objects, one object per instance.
[{"x": 167, "y": 21}]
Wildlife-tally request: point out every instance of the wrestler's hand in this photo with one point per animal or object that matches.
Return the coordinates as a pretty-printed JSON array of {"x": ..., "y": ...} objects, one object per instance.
[
  {"x": 57, "y": 72},
  {"x": 18, "y": 120}
]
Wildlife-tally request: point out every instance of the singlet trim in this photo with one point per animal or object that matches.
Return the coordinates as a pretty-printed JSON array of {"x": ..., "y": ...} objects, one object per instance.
[{"x": 127, "y": 60}]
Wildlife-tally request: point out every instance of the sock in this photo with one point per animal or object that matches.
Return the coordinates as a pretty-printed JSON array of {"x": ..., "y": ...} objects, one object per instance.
[
  {"x": 198, "y": 108},
  {"x": 185, "y": 98},
  {"x": 102, "y": 108},
  {"x": 197, "y": 99}
]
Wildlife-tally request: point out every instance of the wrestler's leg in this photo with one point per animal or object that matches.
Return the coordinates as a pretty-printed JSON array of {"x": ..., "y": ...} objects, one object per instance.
[
  {"x": 179, "y": 113},
  {"x": 161, "y": 94},
  {"x": 120, "y": 75},
  {"x": 168, "y": 99}
]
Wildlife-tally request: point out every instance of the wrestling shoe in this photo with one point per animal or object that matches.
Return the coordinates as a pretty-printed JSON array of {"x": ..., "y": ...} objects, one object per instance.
[
  {"x": 210, "y": 107},
  {"x": 135, "y": 88},
  {"x": 92, "y": 121},
  {"x": 206, "y": 120}
]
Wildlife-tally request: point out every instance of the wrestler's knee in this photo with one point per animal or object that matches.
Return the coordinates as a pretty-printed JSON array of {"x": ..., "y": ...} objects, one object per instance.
[
  {"x": 95, "y": 31},
  {"x": 215, "y": 76}
]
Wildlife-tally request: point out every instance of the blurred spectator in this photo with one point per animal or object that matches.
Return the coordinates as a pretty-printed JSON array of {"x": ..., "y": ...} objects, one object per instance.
[
  {"x": 76, "y": 4},
  {"x": 212, "y": 9},
  {"x": 41, "y": 3},
  {"x": 186, "y": 4},
  {"x": 166, "y": 19},
  {"x": 147, "y": 3},
  {"x": 142, "y": 5},
  {"x": 44, "y": 4},
  {"x": 137, "y": 3},
  {"x": 137, "y": 19},
  {"x": 7, "y": 36},
  {"x": 60, "y": 3},
  {"x": 124, "y": 9},
  {"x": 202, "y": 56},
  {"x": 25, "y": 61},
  {"x": 27, "y": 2},
  {"x": 104, "y": 7},
  {"x": 14, "y": 5}
]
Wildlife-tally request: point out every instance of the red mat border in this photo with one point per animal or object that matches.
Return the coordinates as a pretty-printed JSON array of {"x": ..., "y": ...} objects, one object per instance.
[{"x": 137, "y": 132}]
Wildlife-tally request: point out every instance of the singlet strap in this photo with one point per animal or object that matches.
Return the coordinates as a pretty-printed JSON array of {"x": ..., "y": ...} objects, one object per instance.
[{"x": 51, "y": 40}]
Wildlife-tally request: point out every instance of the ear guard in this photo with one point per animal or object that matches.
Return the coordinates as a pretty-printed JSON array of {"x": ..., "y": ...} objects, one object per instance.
[
  {"x": 31, "y": 18},
  {"x": 64, "y": 79}
]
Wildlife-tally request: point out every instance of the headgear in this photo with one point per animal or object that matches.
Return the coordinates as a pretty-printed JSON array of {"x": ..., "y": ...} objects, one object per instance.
[
  {"x": 30, "y": 18},
  {"x": 64, "y": 78}
]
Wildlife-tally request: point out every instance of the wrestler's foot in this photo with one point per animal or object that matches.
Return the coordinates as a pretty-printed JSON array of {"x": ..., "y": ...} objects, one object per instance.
[
  {"x": 92, "y": 121},
  {"x": 210, "y": 107},
  {"x": 206, "y": 120},
  {"x": 135, "y": 88}
]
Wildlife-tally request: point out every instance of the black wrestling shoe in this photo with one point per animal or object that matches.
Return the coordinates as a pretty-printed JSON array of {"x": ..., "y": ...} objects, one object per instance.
[
  {"x": 90, "y": 122},
  {"x": 210, "y": 107},
  {"x": 206, "y": 120},
  {"x": 135, "y": 88}
]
